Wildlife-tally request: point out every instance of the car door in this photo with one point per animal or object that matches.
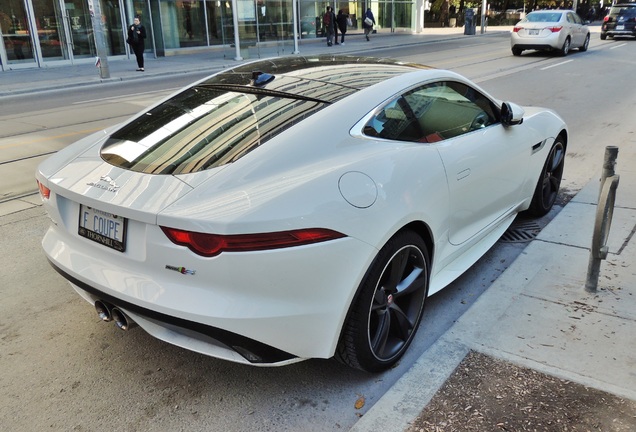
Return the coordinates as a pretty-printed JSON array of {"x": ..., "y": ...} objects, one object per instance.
[
  {"x": 576, "y": 29},
  {"x": 485, "y": 162}
]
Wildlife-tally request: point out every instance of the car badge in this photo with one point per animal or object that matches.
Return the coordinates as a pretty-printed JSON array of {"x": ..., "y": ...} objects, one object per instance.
[
  {"x": 181, "y": 270},
  {"x": 106, "y": 183}
]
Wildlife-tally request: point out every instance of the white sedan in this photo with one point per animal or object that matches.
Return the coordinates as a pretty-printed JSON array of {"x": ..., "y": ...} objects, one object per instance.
[
  {"x": 551, "y": 30},
  {"x": 294, "y": 208}
]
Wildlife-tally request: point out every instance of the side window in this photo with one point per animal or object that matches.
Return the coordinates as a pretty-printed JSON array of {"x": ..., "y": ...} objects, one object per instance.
[
  {"x": 395, "y": 122},
  {"x": 433, "y": 113}
]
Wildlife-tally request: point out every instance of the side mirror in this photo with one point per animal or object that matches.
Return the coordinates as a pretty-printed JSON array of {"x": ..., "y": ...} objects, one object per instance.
[{"x": 511, "y": 114}]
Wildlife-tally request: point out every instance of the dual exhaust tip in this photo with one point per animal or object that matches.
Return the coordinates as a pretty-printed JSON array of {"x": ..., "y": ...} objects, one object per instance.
[{"x": 107, "y": 312}]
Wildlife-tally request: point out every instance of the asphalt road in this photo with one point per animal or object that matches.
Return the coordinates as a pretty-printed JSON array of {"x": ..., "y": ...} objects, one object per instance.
[{"x": 65, "y": 370}]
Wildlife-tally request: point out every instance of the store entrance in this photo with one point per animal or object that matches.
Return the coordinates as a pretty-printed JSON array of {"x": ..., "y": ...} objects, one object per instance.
[
  {"x": 17, "y": 44},
  {"x": 35, "y": 32}
]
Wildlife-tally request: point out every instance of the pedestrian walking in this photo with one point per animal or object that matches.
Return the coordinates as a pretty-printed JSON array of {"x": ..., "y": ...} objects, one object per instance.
[
  {"x": 342, "y": 20},
  {"x": 329, "y": 24},
  {"x": 136, "y": 36},
  {"x": 368, "y": 23}
]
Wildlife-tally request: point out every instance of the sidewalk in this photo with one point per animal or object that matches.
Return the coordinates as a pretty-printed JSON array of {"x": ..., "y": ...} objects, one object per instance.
[{"x": 33, "y": 80}]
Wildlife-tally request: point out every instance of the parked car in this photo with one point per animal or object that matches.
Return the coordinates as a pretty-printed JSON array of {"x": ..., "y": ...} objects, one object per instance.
[
  {"x": 287, "y": 209},
  {"x": 620, "y": 21},
  {"x": 551, "y": 30},
  {"x": 308, "y": 25}
]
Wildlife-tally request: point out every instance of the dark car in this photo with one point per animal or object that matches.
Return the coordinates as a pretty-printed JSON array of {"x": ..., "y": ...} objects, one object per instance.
[
  {"x": 310, "y": 25},
  {"x": 620, "y": 21}
]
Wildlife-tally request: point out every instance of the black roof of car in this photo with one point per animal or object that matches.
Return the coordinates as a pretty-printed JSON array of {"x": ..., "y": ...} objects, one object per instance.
[{"x": 327, "y": 77}]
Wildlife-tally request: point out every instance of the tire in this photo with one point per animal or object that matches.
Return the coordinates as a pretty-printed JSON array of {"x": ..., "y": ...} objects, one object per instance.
[
  {"x": 603, "y": 36},
  {"x": 388, "y": 306},
  {"x": 547, "y": 189},
  {"x": 516, "y": 51},
  {"x": 565, "y": 49},
  {"x": 586, "y": 44}
]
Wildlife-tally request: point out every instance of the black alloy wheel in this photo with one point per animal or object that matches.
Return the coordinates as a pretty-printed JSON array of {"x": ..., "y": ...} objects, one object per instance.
[
  {"x": 547, "y": 189},
  {"x": 388, "y": 308}
]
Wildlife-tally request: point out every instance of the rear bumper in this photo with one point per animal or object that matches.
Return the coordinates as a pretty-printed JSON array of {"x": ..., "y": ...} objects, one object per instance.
[
  {"x": 267, "y": 307},
  {"x": 620, "y": 33},
  {"x": 187, "y": 334},
  {"x": 610, "y": 30},
  {"x": 541, "y": 47},
  {"x": 551, "y": 42}
]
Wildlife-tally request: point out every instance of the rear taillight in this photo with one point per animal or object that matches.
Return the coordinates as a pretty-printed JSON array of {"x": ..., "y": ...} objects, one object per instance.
[
  {"x": 606, "y": 19},
  {"x": 210, "y": 245},
  {"x": 555, "y": 29},
  {"x": 516, "y": 29},
  {"x": 45, "y": 192}
]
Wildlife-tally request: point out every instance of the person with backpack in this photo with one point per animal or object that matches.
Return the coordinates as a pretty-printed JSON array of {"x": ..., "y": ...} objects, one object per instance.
[{"x": 329, "y": 24}]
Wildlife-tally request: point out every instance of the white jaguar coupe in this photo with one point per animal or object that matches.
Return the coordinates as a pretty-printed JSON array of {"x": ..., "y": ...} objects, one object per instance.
[{"x": 298, "y": 207}]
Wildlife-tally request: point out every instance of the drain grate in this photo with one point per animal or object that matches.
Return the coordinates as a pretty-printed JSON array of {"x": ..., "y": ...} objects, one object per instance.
[{"x": 520, "y": 232}]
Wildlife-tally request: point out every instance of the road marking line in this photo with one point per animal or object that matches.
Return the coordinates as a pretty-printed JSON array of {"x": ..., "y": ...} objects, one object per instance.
[
  {"x": 618, "y": 46},
  {"x": 555, "y": 65},
  {"x": 126, "y": 96}
]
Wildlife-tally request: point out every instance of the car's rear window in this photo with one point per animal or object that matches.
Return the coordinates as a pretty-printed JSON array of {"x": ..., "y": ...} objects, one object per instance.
[
  {"x": 543, "y": 17},
  {"x": 202, "y": 128},
  {"x": 626, "y": 10}
]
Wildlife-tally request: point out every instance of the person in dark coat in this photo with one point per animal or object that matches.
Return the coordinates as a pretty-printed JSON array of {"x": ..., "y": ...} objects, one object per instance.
[
  {"x": 136, "y": 36},
  {"x": 342, "y": 19},
  {"x": 368, "y": 16},
  {"x": 329, "y": 21}
]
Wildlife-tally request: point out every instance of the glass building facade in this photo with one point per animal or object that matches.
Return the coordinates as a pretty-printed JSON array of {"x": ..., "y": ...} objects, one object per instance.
[{"x": 37, "y": 33}]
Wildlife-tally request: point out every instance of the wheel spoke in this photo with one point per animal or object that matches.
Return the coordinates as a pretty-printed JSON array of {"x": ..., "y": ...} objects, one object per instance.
[
  {"x": 411, "y": 283},
  {"x": 381, "y": 335},
  {"x": 548, "y": 193},
  {"x": 403, "y": 325},
  {"x": 396, "y": 270},
  {"x": 556, "y": 159},
  {"x": 379, "y": 300}
]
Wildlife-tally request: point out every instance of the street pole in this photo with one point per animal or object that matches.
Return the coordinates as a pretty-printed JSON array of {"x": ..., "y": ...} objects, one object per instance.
[
  {"x": 237, "y": 40},
  {"x": 484, "y": 9},
  {"x": 295, "y": 22},
  {"x": 100, "y": 41}
]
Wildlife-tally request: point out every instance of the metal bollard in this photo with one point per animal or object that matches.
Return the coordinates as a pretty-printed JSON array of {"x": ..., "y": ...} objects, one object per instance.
[{"x": 604, "y": 214}]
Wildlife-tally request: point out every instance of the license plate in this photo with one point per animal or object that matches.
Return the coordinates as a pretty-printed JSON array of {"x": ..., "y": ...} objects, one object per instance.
[
  {"x": 102, "y": 227},
  {"x": 533, "y": 32},
  {"x": 620, "y": 27}
]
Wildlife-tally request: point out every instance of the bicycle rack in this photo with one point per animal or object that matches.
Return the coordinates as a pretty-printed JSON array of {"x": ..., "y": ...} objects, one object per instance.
[{"x": 604, "y": 214}]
